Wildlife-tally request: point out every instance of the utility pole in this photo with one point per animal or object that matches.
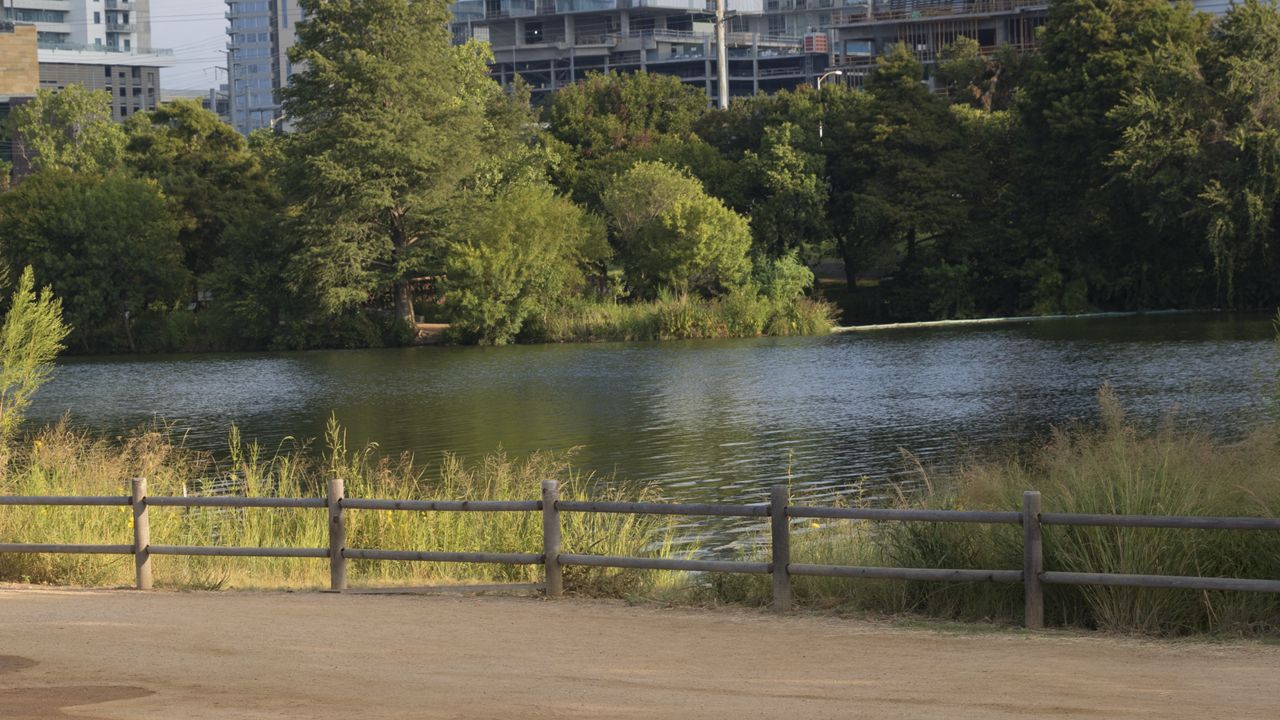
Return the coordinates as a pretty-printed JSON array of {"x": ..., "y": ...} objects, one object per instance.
[{"x": 722, "y": 57}]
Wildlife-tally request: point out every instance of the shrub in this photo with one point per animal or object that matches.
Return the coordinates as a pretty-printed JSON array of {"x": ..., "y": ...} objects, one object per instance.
[{"x": 672, "y": 235}]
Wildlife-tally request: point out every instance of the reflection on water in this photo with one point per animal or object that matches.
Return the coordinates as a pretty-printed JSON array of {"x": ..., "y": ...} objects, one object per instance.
[{"x": 709, "y": 419}]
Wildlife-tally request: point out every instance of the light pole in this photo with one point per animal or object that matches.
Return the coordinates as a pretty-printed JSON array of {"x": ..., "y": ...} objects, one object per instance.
[
  {"x": 822, "y": 77},
  {"x": 722, "y": 57}
]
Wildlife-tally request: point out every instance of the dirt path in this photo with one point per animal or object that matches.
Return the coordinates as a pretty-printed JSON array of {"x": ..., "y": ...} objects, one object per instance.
[{"x": 123, "y": 654}]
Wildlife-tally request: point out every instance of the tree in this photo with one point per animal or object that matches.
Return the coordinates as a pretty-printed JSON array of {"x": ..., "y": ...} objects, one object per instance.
[
  {"x": 606, "y": 123},
  {"x": 30, "y": 339},
  {"x": 789, "y": 210},
  {"x": 517, "y": 257},
  {"x": 71, "y": 130},
  {"x": 205, "y": 167},
  {"x": 985, "y": 82},
  {"x": 1100, "y": 250},
  {"x": 671, "y": 235},
  {"x": 899, "y": 171},
  {"x": 108, "y": 246},
  {"x": 605, "y": 113},
  {"x": 1201, "y": 143},
  {"x": 389, "y": 120}
]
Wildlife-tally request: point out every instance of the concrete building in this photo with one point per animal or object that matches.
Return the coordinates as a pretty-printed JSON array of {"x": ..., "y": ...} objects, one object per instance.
[
  {"x": 927, "y": 26},
  {"x": 101, "y": 44},
  {"x": 772, "y": 44},
  {"x": 259, "y": 35}
]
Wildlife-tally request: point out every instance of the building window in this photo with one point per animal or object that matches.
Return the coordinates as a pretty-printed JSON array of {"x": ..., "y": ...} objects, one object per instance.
[
  {"x": 126, "y": 44},
  {"x": 137, "y": 72},
  {"x": 532, "y": 33},
  {"x": 97, "y": 18},
  {"x": 122, "y": 92},
  {"x": 107, "y": 69}
]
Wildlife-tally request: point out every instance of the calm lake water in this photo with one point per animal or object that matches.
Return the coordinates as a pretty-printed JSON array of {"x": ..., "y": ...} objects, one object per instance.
[{"x": 711, "y": 420}]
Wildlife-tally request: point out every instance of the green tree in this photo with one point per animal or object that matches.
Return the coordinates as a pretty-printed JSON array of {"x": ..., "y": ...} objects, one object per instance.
[
  {"x": 608, "y": 122},
  {"x": 517, "y": 257},
  {"x": 605, "y": 113},
  {"x": 671, "y": 235},
  {"x": 30, "y": 339},
  {"x": 108, "y": 246},
  {"x": 985, "y": 82},
  {"x": 899, "y": 171},
  {"x": 1099, "y": 249},
  {"x": 204, "y": 166},
  {"x": 389, "y": 118},
  {"x": 789, "y": 209},
  {"x": 1201, "y": 143},
  {"x": 71, "y": 130}
]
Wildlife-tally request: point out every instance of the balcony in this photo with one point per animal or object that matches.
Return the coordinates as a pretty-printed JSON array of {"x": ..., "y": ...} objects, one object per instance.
[{"x": 115, "y": 26}]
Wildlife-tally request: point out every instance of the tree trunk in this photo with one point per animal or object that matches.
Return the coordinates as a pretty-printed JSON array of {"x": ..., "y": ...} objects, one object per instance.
[
  {"x": 850, "y": 269},
  {"x": 404, "y": 302}
]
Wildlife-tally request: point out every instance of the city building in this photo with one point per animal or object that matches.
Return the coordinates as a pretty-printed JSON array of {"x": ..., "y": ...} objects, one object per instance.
[
  {"x": 101, "y": 44},
  {"x": 863, "y": 33},
  {"x": 772, "y": 44},
  {"x": 259, "y": 33}
]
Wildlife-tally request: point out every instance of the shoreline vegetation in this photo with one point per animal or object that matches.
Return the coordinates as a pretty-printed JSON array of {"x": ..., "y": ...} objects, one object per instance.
[
  {"x": 1113, "y": 468},
  {"x": 1124, "y": 163}
]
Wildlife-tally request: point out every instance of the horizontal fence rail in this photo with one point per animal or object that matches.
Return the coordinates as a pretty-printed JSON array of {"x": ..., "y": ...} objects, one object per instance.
[
  {"x": 779, "y": 511},
  {"x": 63, "y": 500}
]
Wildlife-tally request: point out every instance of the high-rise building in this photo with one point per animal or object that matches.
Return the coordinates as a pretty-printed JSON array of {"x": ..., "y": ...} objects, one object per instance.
[
  {"x": 101, "y": 44},
  {"x": 259, "y": 35}
]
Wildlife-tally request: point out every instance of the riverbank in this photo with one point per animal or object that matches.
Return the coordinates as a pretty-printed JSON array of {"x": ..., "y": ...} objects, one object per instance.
[
  {"x": 312, "y": 655},
  {"x": 1114, "y": 469}
]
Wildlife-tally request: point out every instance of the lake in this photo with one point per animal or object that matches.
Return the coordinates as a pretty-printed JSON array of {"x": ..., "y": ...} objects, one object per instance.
[{"x": 707, "y": 420}]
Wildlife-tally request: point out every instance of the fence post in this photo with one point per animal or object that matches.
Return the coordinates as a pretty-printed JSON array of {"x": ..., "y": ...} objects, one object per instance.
[
  {"x": 1032, "y": 561},
  {"x": 554, "y": 574},
  {"x": 780, "y": 539},
  {"x": 141, "y": 533},
  {"x": 337, "y": 536}
]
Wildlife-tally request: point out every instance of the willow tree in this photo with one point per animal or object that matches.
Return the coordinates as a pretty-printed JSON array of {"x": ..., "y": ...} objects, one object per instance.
[{"x": 389, "y": 119}]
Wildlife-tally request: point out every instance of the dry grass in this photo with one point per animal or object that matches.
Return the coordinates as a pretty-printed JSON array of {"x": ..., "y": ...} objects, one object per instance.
[{"x": 59, "y": 461}]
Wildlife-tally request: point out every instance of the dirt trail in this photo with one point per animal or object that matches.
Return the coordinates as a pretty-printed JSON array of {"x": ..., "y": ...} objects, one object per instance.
[{"x": 122, "y": 654}]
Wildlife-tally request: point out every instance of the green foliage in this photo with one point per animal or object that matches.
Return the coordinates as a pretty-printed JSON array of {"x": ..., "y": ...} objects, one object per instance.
[
  {"x": 389, "y": 120},
  {"x": 789, "y": 213},
  {"x": 671, "y": 235},
  {"x": 205, "y": 167},
  {"x": 69, "y": 130},
  {"x": 108, "y": 245},
  {"x": 985, "y": 82},
  {"x": 517, "y": 257},
  {"x": 742, "y": 312},
  {"x": 605, "y": 113},
  {"x": 1202, "y": 138},
  {"x": 63, "y": 462},
  {"x": 30, "y": 339}
]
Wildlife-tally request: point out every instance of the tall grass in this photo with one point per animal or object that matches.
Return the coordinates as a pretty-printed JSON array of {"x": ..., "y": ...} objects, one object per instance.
[
  {"x": 1112, "y": 469},
  {"x": 743, "y": 313},
  {"x": 60, "y": 461}
]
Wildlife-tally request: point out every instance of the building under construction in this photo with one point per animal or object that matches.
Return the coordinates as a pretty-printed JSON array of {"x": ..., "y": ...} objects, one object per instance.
[
  {"x": 553, "y": 43},
  {"x": 928, "y": 26}
]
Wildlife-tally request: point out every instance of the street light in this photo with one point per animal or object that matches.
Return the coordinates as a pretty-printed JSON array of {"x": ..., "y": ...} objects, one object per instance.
[
  {"x": 822, "y": 77},
  {"x": 826, "y": 75}
]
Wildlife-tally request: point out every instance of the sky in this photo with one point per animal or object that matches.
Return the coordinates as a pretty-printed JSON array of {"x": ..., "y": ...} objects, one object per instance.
[{"x": 196, "y": 32}]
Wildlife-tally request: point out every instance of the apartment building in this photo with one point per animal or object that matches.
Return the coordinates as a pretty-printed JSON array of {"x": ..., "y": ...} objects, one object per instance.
[
  {"x": 259, "y": 35},
  {"x": 101, "y": 44}
]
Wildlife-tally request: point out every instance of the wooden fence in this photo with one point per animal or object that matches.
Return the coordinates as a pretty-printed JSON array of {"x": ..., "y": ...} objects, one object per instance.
[{"x": 779, "y": 510}]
